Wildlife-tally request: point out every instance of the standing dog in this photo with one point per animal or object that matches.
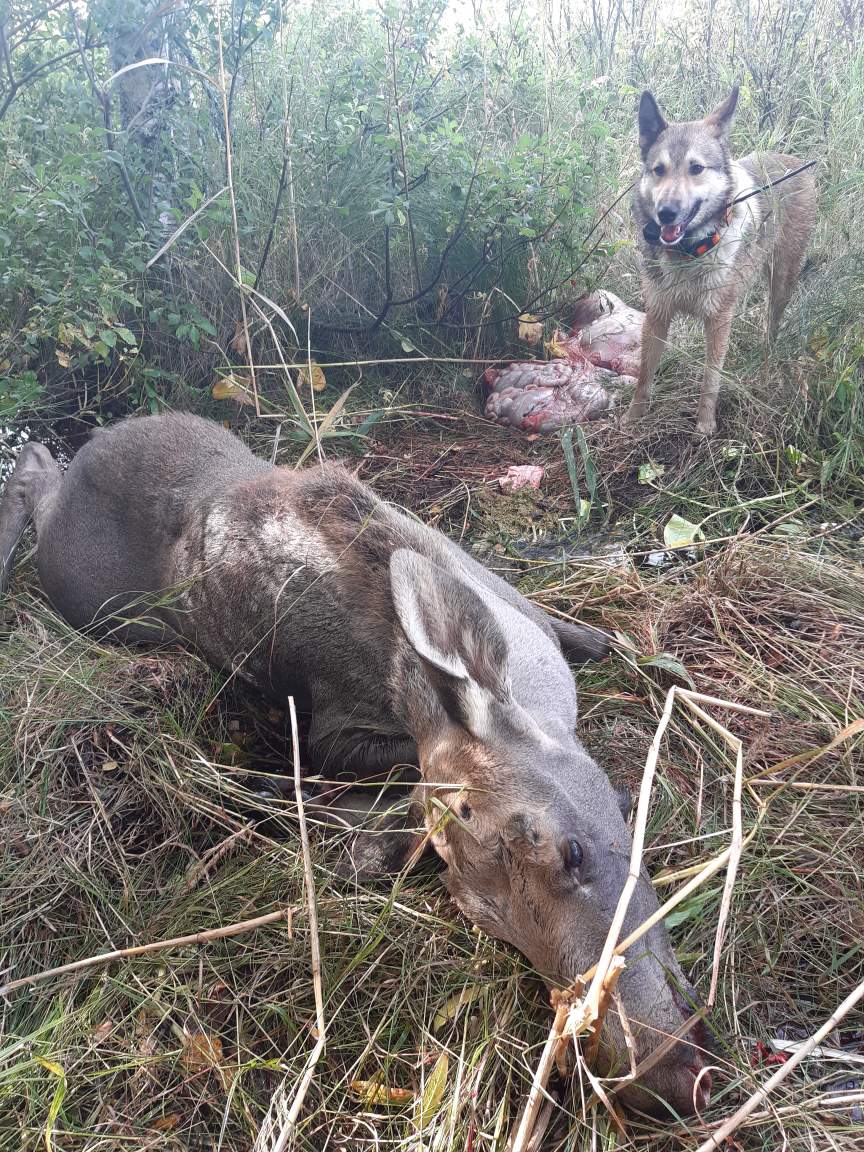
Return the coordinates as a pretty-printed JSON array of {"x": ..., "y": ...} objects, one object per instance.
[{"x": 700, "y": 250}]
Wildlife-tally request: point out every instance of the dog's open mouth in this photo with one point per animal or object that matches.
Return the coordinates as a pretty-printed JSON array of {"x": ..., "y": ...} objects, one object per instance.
[{"x": 672, "y": 233}]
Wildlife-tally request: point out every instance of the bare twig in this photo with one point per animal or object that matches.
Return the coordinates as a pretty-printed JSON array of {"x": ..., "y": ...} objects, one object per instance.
[
  {"x": 213, "y": 858},
  {"x": 269, "y": 1140},
  {"x": 229, "y": 180},
  {"x": 737, "y": 845},
  {"x": 203, "y": 937}
]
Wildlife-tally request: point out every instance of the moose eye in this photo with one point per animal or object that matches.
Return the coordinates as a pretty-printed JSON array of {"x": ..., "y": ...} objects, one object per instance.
[
  {"x": 696, "y": 169},
  {"x": 659, "y": 169},
  {"x": 465, "y": 810},
  {"x": 572, "y": 855}
]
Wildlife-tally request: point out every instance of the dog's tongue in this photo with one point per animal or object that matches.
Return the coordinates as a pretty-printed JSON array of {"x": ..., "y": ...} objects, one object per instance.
[{"x": 669, "y": 233}]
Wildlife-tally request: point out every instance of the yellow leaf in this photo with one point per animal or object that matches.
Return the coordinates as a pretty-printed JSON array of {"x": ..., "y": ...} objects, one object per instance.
[
  {"x": 556, "y": 348},
  {"x": 427, "y": 1105},
  {"x": 56, "y": 1104},
  {"x": 52, "y": 1066},
  {"x": 530, "y": 328},
  {"x": 319, "y": 380},
  {"x": 452, "y": 1007},
  {"x": 441, "y": 301},
  {"x": 62, "y": 358},
  {"x": 233, "y": 387},
  {"x": 201, "y": 1051},
  {"x": 239, "y": 343},
  {"x": 371, "y": 1092},
  {"x": 166, "y": 1123}
]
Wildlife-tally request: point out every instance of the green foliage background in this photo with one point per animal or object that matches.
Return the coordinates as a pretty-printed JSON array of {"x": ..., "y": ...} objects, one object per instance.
[{"x": 406, "y": 177}]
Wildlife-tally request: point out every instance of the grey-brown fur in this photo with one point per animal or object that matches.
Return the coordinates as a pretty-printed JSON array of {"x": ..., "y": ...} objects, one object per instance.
[
  {"x": 403, "y": 648},
  {"x": 770, "y": 232}
]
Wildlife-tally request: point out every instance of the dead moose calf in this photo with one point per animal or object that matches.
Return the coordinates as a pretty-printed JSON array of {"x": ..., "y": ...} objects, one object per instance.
[{"x": 403, "y": 649}]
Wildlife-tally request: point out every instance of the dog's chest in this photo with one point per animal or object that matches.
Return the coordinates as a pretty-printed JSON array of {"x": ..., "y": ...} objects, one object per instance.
[{"x": 702, "y": 286}]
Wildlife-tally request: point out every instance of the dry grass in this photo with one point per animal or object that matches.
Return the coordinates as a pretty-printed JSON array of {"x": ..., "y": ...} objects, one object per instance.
[{"x": 127, "y": 774}]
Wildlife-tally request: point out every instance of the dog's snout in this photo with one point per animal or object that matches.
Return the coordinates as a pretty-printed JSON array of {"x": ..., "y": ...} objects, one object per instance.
[{"x": 667, "y": 213}]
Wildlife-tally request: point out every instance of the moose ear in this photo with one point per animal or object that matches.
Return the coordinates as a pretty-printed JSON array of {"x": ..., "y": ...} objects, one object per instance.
[
  {"x": 720, "y": 120},
  {"x": 651, "y": 123},
  {"x": 457, "y": 638},
  {"x": 579, "y": 642}
]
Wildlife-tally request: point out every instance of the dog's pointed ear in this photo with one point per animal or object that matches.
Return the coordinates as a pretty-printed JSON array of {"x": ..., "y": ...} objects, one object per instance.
[
  {"x": 651, "y": 123},
  {"x": 720, "y": 120}
]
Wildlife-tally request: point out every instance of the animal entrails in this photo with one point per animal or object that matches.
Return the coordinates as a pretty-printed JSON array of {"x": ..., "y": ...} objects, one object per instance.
[
  {"x": 700, "y": 251},
  {"x": 404, "y": 649}
]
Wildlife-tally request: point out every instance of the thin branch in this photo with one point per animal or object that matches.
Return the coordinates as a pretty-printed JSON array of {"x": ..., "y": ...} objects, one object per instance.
[
  {"x": 203, "y": 937},
  {"x": 104, "y": 99},
  {"x": 288, "y": 1126},
  {"x": 229, "y": 179},
  {"x": 277, "y": 203}
]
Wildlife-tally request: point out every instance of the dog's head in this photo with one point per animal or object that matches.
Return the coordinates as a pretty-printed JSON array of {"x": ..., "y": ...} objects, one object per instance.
[{"x": 686, "y": 168}]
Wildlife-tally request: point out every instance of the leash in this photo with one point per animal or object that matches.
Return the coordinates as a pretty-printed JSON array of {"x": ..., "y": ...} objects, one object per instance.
[{"x": 772, "y": 183}]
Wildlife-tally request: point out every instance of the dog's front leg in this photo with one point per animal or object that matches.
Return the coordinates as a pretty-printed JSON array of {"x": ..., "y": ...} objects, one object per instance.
[
  {"x": 717, "y": 329},
  {"x": 654, "y": 332}
]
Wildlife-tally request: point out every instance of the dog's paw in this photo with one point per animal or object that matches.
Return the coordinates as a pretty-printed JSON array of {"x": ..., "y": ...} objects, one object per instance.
[
  {"x": 706, "y": 426},
  {"x": 634, "y": 414}
]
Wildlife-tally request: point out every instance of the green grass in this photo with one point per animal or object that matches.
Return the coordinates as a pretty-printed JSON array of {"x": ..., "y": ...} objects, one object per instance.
[
  {"x": 137, "y": 787},
  {"x": 122, "y": 769}
]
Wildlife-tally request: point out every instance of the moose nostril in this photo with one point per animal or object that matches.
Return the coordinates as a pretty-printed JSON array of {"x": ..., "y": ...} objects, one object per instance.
[{"x": 666, "y": 214}]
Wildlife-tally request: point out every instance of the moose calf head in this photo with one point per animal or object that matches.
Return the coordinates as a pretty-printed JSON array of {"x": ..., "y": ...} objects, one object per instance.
[{"x": 533, "y": 835}]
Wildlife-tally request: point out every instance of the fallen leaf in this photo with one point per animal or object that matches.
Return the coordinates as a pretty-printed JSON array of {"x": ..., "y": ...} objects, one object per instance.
[
  {"x": 427, "y": 1105},
  {"x": 556, "y": 349},
  {"x": 530, "y": 329},
  {"x": 371, "y": 1092},
  {"x": 239, "y": 342},
  {"x": 668, "y": 664},
  {"x": 230, "y": 753},
  {"x": 454, "y": 1005},
  {"x": 680, "y": 533},
  {"x": 201, "y": 1051},
  {"x": 166, "y": 1123},
  {"x": 103, "y": 1031},
  {"x": 649, "y": 472},
  {"x": 62, "y": 358},
  {"x": 233, "y": 387},
  {"x": 316, "y": 373}
]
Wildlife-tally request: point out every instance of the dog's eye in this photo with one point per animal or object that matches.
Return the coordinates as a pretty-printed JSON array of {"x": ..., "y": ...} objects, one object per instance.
[
  {"x": 696, "y": 169},
  {"x": 659, "y": 169},
  {"x": 573, "y": 855}
]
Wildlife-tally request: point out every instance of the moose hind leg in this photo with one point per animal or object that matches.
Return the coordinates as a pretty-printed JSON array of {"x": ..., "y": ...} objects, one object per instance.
[{"x": 27, "y": 495}]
